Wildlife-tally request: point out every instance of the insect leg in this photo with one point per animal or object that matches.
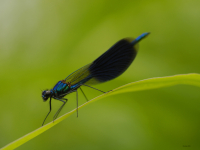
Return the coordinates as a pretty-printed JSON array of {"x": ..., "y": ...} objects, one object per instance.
[
  {"x": 48, "y": 112},
  {"x": 94, "y": 88},
  {"x": 57, "y": 113},
  {"x": 77, "y": 102},
  {"x": 84, "y": 94}
]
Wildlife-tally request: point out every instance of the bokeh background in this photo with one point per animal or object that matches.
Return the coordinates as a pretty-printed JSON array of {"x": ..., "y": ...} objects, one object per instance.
[{"x": 42, "y": 42}]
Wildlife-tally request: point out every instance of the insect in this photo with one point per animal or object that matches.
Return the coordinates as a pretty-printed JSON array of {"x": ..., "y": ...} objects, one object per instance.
[{"x": 108, "y": 66}]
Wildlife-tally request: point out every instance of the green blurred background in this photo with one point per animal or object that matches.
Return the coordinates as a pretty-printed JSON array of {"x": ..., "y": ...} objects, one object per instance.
[{"x": 42, "y": 42}]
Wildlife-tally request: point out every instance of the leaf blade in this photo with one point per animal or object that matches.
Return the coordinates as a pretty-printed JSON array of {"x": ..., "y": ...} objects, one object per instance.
[{"x": 147, "y": 84}]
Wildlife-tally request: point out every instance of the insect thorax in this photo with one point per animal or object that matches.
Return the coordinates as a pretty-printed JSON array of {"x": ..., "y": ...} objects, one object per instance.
[{"x": 61, "y": 88}]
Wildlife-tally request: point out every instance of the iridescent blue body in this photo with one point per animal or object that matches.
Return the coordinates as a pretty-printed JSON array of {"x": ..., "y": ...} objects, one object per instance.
[
  {"x": 60, "y": 88},
  {"x": 108, "y": 66}
]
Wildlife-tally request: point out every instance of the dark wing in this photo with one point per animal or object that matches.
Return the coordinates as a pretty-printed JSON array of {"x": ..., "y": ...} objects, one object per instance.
[
  {"x": 109, "y": 65},
  {"x": 113, "y": 62}
]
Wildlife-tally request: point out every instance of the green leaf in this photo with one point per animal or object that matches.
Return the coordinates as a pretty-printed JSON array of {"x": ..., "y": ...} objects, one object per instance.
[{"x": 147, "y": 84}]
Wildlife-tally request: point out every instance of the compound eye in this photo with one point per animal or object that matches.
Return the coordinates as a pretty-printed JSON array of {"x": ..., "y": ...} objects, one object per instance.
[{"x": 46, "y": 95}]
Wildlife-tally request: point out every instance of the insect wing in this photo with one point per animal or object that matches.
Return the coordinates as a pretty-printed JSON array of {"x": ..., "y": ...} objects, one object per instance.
[
  {"x": 79, "y": 76},
  {"x": 113, "y": 62}
]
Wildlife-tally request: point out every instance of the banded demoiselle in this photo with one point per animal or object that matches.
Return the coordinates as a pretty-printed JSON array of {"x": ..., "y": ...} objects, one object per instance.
[{"x": 108, "y": 66}]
